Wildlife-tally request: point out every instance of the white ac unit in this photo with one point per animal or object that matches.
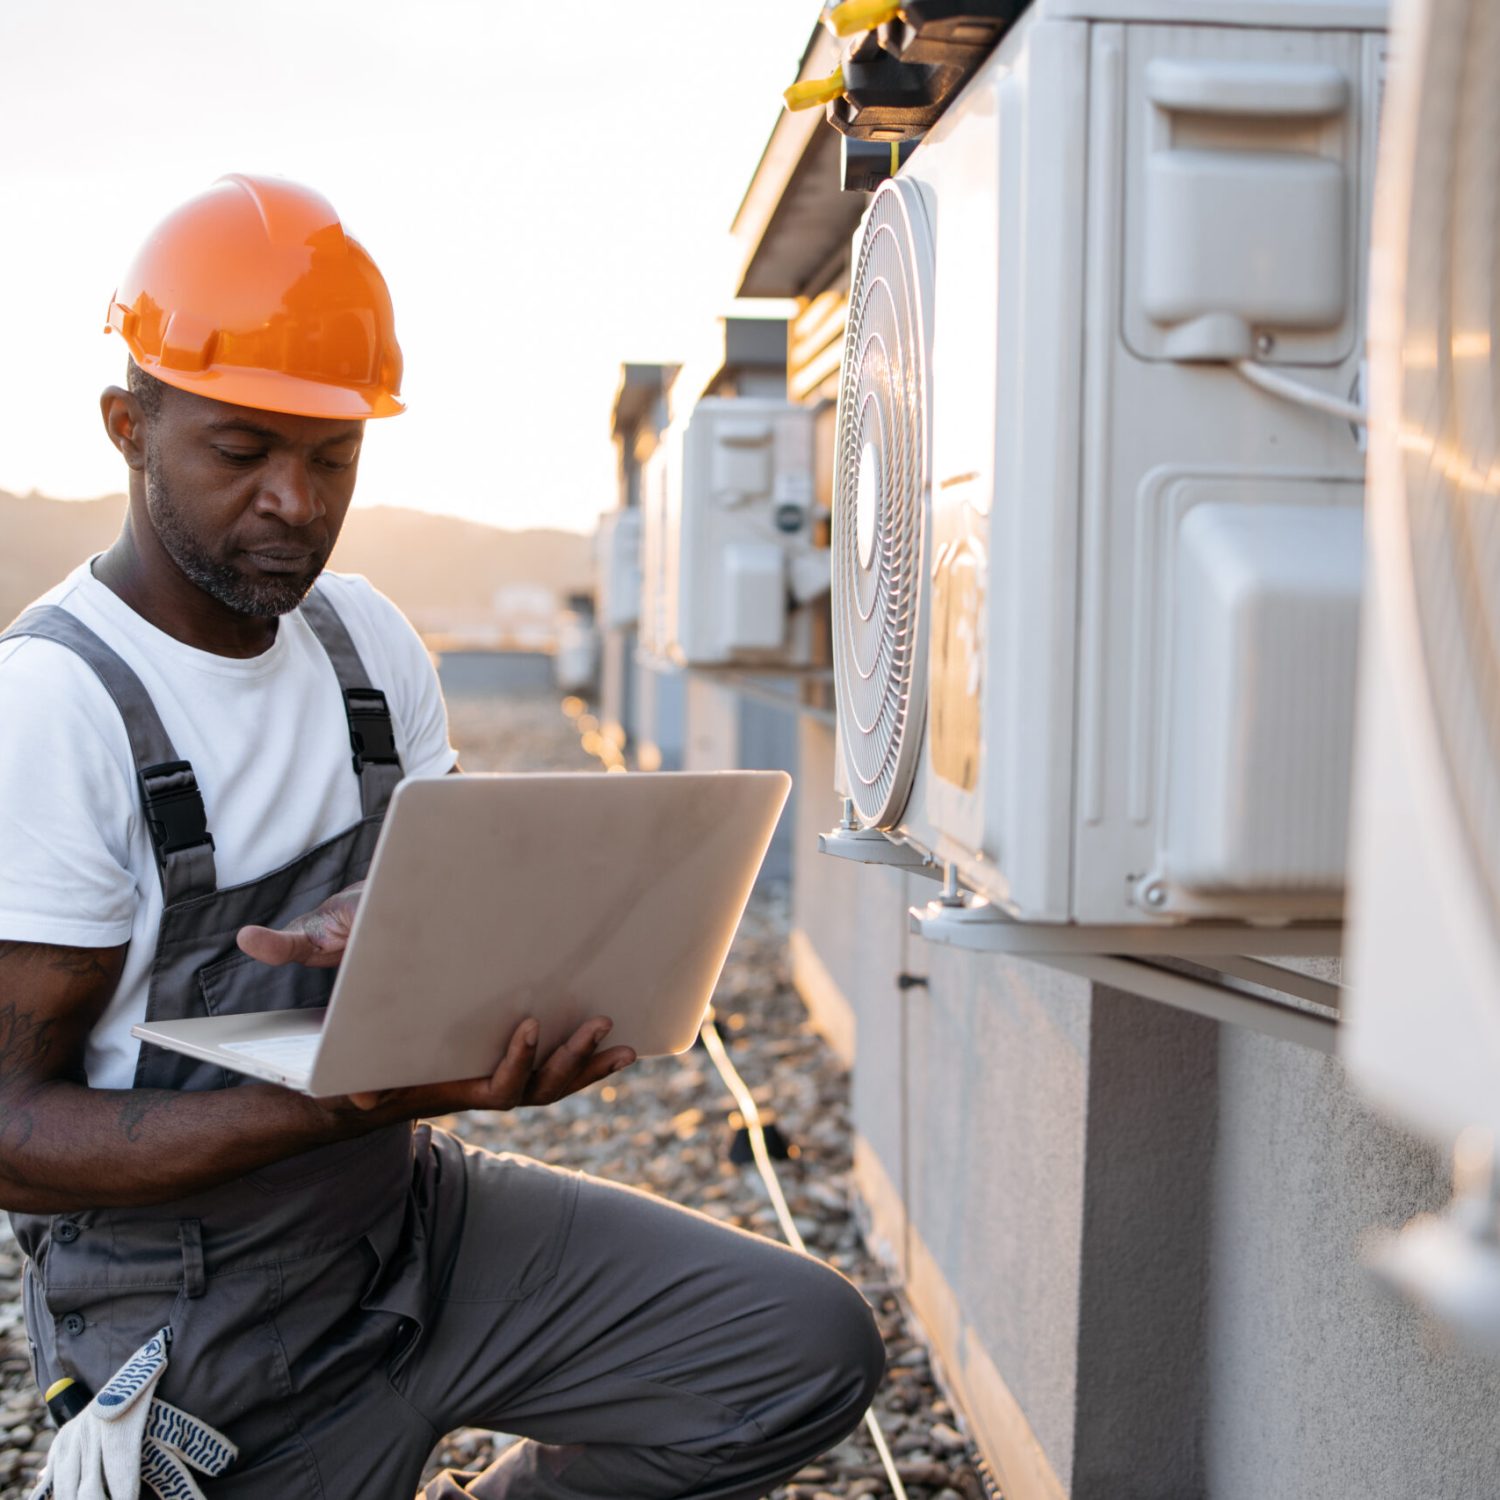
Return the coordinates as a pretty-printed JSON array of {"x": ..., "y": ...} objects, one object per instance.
[
  {"x": 1095, "y": 590},
  {"x": 729, "y": 553},
  {"x": 1422, "y": 1025},
  {"x": 617, "y": 569},
  {"x": 575, "y": 666},
  {"x": 657, "y": 623}
]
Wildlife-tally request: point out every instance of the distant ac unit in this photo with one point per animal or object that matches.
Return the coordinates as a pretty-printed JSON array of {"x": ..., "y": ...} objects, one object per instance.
[
  {"x": 658, "y": 622},
  {"x": 575, "y": 667},
  {"x": 729, "y": 553},
  {"x": 1094, "y": 592},
  {"x": 1422, "y": 1030},
  {"x": 617, "y": 569}
]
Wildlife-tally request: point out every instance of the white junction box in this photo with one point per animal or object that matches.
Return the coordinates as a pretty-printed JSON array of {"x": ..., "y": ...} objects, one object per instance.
[{"x": 1095, "y": 593}]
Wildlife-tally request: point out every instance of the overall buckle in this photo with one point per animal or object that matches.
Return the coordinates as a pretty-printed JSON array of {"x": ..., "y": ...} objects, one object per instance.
[
  {"x": 174, "y": 808},
  {"x": 371, "y": 733}
]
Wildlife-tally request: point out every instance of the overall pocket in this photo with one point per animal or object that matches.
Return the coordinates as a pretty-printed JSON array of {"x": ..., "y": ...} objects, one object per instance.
[{"x": 238, "y": 985}]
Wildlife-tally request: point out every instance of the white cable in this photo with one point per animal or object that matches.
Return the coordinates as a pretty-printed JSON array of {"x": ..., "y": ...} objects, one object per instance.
[
  {"x": 714, "y": 1046},
  {"x": 1277, "y": 384}
]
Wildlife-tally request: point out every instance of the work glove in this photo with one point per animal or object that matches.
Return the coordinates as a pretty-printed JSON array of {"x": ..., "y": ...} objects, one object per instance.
[{"x": 124, "y": 1440}]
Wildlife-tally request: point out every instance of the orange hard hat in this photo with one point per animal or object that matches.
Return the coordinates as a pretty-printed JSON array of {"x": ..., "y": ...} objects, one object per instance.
[{"x": 252, "y": 293}]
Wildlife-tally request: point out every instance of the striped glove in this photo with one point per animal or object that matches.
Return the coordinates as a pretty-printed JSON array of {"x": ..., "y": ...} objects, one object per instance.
[{"x": 124, "y": 1440}]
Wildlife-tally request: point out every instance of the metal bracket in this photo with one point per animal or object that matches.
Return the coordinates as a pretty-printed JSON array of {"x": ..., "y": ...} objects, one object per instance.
[
  {"x": 1281, "y": 1019},
  {"x": 869, "y": 846},
  {"x": 980, "y": 927},
  {"x": 1121, "y": 957}
]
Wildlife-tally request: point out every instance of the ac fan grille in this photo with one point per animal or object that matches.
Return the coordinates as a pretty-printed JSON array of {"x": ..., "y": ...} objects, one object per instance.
[
  {"x": 1450, "y": 408},
  {"x": 879, "y": 556}
]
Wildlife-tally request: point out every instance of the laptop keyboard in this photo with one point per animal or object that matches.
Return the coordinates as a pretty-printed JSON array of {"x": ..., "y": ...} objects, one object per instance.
[{"x": 291, "y": 1054}]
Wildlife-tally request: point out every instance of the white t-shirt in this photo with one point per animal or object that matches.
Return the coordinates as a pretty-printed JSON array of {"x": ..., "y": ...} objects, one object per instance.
[{"x": 268, "y": 740}]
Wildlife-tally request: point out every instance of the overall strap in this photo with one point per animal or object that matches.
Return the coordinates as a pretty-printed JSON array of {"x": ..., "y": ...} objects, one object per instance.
[
  {"x": 169, "y": 791},
  {"x": 372, "y": 736}
]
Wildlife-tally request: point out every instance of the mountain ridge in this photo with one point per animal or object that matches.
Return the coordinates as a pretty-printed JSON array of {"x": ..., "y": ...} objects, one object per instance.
[{"x": 443, "y": 572}]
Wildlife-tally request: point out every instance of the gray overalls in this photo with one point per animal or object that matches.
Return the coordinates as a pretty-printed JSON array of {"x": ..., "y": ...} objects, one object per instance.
[{"x": 335, "y": 1313}]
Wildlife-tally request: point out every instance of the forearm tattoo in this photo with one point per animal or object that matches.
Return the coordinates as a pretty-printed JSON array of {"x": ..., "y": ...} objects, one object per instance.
[
  {"x": 25, "y": 1044},
  {"x": 36, "y": 1045},
  {"x": 141, "y": 1104}
]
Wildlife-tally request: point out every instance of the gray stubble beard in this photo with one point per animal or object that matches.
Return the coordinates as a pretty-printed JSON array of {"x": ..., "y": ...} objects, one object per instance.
[{"x": 260, "y": 599}]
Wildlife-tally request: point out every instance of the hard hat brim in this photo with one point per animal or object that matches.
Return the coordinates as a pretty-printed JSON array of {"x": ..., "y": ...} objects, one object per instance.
[{"x": 270, "y": 390}]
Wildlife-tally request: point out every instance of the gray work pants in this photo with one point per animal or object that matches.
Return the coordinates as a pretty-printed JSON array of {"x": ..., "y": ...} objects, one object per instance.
[{"x": 641, "y": 1349}]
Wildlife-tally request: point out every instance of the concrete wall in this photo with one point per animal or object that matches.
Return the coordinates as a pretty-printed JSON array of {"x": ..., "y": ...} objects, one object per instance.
[
  {"x": 725, "y": 729},
  {"x": 997, "y": 1111},
  {"x": 617, "y": 688},
  {"x": 657, "y": 731},
  {"x": 849, "y": 946},
  {"x": 1144, "y": 1269},
  {"x": 1322, "y": 1387},
  {"x": 1132, "y": 1233}
]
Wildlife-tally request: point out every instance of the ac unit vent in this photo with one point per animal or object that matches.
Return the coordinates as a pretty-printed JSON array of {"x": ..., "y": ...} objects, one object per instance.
[{"x": 880, "y": 506}]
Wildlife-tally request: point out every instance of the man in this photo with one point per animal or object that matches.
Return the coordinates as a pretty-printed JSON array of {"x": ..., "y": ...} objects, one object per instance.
[{"x": 176, "y": 793}]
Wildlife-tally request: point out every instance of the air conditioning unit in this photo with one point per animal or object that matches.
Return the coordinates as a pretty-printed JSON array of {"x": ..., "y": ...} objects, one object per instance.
[
  {"x": 657, "y": 623},
  {"x": 1422, "y": 1030},
  {"x": 1097, "y": 531},
  {"x": 575, "y": 666},
  {"x": 728, "y": 550},
  {"x": 617, "y": 569}
]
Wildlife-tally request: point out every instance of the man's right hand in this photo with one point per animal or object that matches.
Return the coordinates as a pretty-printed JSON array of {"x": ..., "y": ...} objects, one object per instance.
[{"x": 317, "y": 939}]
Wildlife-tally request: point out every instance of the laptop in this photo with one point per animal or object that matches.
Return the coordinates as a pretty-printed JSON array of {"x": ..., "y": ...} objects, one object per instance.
[{"x": 496, "y": 897}]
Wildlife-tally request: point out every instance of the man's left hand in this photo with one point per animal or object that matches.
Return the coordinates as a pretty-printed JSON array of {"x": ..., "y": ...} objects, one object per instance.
[{"x": 522, "y": 1077}]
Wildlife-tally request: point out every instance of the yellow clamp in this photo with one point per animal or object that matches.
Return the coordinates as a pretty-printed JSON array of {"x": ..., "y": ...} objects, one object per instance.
[
  {"x": 862, "y": 15},
  {"x": 811, "y": 92}
]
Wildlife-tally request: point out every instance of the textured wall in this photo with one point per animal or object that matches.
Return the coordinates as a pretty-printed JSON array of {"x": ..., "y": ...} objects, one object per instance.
[
  {"x": 617, "y": 680},
  {"x": 997, "y": 1062},
  {"x": 855, "y": 916},
  {"x": 1147, "y": 1222},
  {"x": 1148, "y": 1190},
  {"x": 1320, "y": 1386},
  {"x": 660, "y": 697},
  {"x": 725, "y": 730}
]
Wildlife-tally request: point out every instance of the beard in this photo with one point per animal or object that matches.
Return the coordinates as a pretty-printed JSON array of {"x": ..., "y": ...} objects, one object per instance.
[{"x": 261, "y": 598}]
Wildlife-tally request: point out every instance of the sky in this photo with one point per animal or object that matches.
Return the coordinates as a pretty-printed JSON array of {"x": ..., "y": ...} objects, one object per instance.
[{"x": 548, "y": 189}]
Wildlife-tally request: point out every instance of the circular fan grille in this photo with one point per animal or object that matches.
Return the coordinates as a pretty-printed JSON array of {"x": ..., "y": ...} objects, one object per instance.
[
  {"x": 880, "y": 504},
  {"x": 1449, "y": 383}
]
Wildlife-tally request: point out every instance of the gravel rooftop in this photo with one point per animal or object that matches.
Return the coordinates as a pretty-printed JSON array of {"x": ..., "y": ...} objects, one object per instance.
[{"x": 665, "y": 1125}]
